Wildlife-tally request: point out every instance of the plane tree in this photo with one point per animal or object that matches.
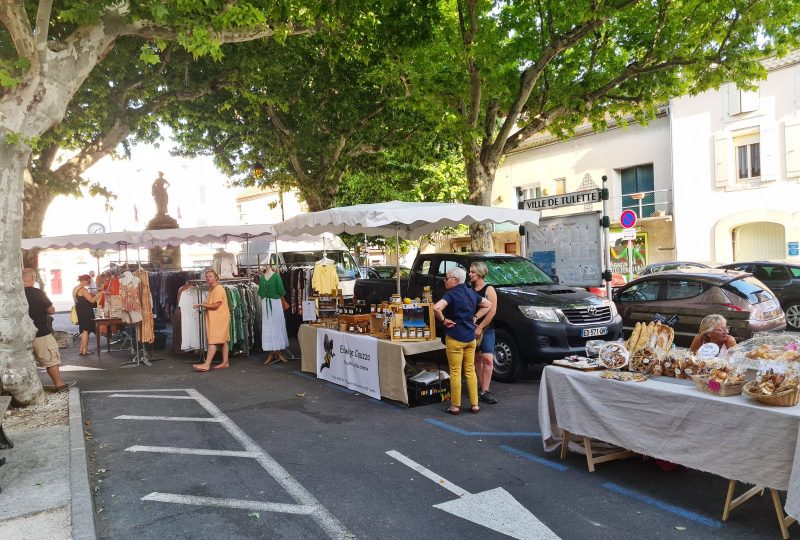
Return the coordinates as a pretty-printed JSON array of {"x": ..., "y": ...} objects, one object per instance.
[
  {"x": 511, "y": 70},
  {"x": 48, "y": 49}
]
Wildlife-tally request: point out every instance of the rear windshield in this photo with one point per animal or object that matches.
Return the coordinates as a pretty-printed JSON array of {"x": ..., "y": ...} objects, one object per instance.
[
  {"x": 750, "y": 289},
  {"x": 515, "y": 271}
]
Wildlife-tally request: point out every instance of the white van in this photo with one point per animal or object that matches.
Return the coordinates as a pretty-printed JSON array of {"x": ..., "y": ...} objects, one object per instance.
[{"x": 305, "y": 251}]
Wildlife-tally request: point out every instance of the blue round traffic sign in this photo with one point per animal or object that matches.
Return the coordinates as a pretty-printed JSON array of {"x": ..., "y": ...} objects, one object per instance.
[{"x": 628, "y": 219}]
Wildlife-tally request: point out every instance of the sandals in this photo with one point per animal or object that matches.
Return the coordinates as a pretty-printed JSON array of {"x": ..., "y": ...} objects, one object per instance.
[
  {"x": 454, "y": 412},
  {"x": 475, "y": 409}
]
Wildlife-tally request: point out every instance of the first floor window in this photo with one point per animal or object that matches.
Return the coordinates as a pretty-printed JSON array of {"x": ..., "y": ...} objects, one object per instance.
[{"x": 748, "y": 157}]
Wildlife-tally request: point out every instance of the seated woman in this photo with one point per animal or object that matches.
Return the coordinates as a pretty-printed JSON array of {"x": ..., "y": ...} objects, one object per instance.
[{"x": 713, "y": 329}]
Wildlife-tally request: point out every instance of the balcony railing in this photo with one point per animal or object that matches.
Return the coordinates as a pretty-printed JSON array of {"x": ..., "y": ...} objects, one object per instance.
[{"x": 645, "y": 203}]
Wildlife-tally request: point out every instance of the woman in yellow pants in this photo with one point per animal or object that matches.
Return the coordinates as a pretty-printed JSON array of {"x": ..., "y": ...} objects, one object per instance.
[{"x": 457, "y": 310}]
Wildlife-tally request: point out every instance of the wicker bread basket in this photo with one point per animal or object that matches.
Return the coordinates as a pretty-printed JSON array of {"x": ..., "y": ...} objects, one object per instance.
[{"x": 787, "y": 398}]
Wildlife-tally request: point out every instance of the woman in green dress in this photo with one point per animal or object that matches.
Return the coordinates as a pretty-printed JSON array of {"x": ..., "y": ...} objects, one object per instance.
[{"x": 274, "y": 338}]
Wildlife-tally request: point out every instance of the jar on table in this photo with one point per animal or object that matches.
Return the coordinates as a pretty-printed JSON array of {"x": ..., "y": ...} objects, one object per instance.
[
  {"x": 404, "y": 334},
  {"x": 396, "y": 333},
  {"x": 426, "y": 332}
]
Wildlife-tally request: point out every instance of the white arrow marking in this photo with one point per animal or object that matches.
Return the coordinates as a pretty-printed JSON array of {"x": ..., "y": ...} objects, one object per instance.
[{"x": 495, "y": 509}]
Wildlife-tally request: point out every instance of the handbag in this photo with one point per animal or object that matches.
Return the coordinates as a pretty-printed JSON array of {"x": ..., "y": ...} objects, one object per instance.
[
  {"x": 284, "y": 303},
  {"x": 73, "y": 315}
]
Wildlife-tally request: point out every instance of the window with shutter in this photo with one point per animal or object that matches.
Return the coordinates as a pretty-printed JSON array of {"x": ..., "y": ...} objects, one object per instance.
[
  {"x": 721, "y": 158},
  {"x": 792, "y": 136}
]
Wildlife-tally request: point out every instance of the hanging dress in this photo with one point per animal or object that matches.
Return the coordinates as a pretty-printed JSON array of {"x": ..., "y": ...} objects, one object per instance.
[{"x": 273, "y": 321}]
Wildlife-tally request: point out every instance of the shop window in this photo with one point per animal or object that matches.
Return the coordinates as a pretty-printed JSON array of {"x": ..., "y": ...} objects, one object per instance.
[
  {"x": 748, "y": 157},
  {"x": 561, "y": 186},
  {"x": 638, "y": 180}
]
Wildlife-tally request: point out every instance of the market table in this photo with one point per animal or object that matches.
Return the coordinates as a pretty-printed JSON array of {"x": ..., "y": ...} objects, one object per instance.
[
  {"x": 108, "y": 323},
  {"x": 734, "y": 437},
  {"x": 391, "y": 360}
]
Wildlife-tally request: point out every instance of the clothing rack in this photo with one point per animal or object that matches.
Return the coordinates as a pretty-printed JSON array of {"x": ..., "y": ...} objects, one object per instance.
[{"x": 201, "y": 285}]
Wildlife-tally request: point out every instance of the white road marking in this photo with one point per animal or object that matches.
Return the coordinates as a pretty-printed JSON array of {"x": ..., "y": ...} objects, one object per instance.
[
  {"x": 65, "y": 367},
  {"x": 307, "y": 503},
  {"x": 325, "y": 519},
  {"x": 494, "y": 509},
  {"x": 151, "y": 396},
  {"x": 168, "y": 418},
  {"x": 191, "y": 451},
  {"x": 230, "y": 503},
  {"x": 449, "y": 486}
]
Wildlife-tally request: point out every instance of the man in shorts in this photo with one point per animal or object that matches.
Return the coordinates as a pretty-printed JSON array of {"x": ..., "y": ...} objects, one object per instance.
[{"x": 45, "y": 347}]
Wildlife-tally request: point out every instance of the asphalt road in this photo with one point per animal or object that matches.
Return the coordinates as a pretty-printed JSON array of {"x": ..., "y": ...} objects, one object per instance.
[{"x": 279, "y": 454}]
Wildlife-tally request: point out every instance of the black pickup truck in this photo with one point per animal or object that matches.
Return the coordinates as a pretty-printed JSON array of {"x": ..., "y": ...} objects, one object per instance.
[{"x": 537, "y": 320}]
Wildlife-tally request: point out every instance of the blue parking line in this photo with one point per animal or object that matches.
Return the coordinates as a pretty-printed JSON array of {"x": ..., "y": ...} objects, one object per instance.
[
  {"x": 536, "y": 459},
  {"x": 661, "y": 505},
  {"x": 461, "y": 431}
]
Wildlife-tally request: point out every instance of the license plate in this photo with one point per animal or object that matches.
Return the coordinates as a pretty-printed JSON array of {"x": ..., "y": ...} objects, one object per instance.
[{"x": 591, "y": 332}]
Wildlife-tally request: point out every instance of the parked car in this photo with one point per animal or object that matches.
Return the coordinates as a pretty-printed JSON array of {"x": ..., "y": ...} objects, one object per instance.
[
  {"x": 671, "y": 265},
  {"x": 783, "y": 279},
  {"x": 537, "y": 320},
  {"x": 617, "y": 280},
  {"x": 384, "y": 272},
  {"x": 690, "y": 295}
]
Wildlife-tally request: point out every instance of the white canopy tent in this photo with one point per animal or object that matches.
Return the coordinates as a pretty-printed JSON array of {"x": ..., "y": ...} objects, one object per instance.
[
  {"x": 399, "y": 218},
  {"x": 151, "y": 238}
]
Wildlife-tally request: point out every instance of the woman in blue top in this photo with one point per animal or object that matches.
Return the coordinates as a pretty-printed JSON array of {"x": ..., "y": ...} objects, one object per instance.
[{"x": 457, "y": 310}]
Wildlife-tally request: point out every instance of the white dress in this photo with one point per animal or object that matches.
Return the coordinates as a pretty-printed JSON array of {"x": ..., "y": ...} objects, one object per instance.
[
  {"x": 190, "y": 320},
  {"x": 273, "y": 326}
]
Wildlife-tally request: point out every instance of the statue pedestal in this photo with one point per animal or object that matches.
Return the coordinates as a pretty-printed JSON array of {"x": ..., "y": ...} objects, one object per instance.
[
  {"x": 168, "y": 258},
  {"x": 162, "y": 221}
]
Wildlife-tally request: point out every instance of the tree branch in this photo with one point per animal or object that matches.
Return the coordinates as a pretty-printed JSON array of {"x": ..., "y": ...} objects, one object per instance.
[
  {"x": 285, "y": 136},
  {"x": 42, "y": 28},
  {"x": 14, "y": 18}
]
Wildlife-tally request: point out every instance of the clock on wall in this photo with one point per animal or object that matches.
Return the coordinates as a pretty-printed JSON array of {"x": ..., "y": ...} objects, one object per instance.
[{"x": 96, "y": 228}]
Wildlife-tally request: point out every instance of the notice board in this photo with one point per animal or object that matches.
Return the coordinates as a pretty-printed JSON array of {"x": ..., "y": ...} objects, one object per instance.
[{"x": 572, "y": 245}]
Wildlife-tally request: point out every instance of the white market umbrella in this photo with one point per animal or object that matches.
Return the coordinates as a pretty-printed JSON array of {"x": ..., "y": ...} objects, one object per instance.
[
  {"x": 206, "y": 235},
  {"x": 399, "y": 218},
  {"x": 112, "y": 240}
]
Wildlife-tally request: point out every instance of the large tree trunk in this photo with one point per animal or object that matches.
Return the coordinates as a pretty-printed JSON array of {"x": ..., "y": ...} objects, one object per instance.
[
  {"x": 36, "y": 200},
  {"x": 17, "y": 368},
  {"x": 481, "y": 178}
]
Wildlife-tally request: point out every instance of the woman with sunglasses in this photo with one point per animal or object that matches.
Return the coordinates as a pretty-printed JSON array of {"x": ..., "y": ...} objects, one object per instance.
[{"x": 713, "y": 329}]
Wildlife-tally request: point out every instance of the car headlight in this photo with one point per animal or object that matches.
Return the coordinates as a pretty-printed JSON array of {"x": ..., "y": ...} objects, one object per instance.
[{"x": 541, "y": 313}]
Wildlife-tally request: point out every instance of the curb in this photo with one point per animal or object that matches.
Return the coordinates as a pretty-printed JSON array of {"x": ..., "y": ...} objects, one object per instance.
[{"x": 82, "y": 507}]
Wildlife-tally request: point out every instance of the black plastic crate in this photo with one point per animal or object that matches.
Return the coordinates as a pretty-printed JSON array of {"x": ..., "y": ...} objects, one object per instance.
[{"x": 427, "y": 394}]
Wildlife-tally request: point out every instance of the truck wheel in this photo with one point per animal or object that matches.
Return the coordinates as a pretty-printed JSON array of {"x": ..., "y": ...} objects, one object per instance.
[
  {"x": 793, "y": 316},
  {"x": 507, "y": 363}
]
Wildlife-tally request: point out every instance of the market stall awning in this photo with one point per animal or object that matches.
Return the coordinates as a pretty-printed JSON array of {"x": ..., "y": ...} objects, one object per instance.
[
  {"x": 152, "y": 238},
  {"x": 207, "y": 235},
  {"x": 112, "y": 240},
  {"x": 409, "y": 220}
]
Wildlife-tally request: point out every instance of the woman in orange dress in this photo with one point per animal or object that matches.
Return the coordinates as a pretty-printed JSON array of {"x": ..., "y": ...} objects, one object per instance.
[{"x": 218, "y": 319}]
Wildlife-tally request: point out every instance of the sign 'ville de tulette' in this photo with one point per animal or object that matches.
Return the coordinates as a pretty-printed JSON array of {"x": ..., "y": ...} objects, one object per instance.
[{"x": 566, "y": 199}]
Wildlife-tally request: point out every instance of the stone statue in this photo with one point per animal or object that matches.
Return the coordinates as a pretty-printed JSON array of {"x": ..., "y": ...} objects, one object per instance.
[{"x": 160, "y": 194}]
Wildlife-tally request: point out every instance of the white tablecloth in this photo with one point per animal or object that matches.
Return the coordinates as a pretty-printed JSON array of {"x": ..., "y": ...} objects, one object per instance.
[{"x": 733, "y": 437}]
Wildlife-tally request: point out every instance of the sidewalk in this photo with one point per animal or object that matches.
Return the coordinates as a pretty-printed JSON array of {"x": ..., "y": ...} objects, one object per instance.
[{"x": 45, "y": 486}]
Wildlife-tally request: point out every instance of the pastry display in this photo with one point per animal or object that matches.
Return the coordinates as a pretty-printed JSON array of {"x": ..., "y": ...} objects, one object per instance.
[
  {"x": 654, "y": 336},
  {"x": 578, "y": 362},
  {"x": 624, "y": 376},
  {"x": 613, "y": 355}
]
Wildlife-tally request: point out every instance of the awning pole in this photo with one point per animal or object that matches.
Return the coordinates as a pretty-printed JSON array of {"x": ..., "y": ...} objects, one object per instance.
[{"x": 397, "y": 257}]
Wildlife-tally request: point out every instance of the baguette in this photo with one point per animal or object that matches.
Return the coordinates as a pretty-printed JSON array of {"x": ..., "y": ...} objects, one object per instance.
[
  {"x": 634, "y": 337},
  {"x": 644, "y": 336}
]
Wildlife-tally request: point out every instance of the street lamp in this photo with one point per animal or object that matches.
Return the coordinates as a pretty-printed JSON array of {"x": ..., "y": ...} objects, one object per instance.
[{"x": 258, "y": 170}]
